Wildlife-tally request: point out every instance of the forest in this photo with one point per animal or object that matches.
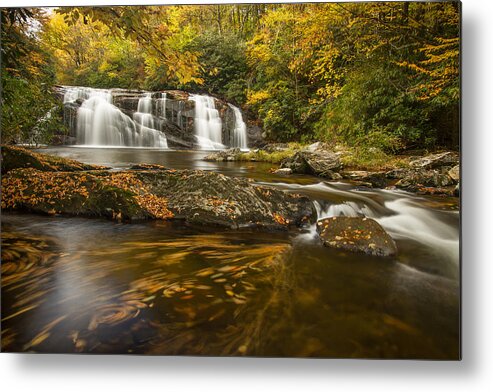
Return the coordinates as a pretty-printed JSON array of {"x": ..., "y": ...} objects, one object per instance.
[{"x": 382, "y": 75}]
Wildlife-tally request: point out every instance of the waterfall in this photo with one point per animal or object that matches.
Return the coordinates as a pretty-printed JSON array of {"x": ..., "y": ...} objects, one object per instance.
[
  {"x": 162, "y": 106},
  {"x": 239, "y": 132},
  {"x": 100, "y": 123},
  {"x": 207, "y": 123}
]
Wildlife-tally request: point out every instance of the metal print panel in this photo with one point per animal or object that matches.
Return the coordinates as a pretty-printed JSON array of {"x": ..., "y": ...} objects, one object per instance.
[{"x": 277, "y": 180}]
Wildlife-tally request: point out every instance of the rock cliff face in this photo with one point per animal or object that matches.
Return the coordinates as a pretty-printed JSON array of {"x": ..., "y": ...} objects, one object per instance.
[{"x": 173, "y": 113}]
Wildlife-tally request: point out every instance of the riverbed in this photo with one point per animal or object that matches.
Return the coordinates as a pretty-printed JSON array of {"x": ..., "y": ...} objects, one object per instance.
[{"x": 97, "y": 286}]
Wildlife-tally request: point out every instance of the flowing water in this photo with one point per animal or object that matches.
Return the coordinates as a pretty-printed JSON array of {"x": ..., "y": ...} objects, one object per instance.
[
  {"x": 207, "y": 123},
  {"x": 239, "y": 131},
  {"x": 100, "y": 123},
  {"x": 162, "y": 105},
  {"x": 91, "y": 285}
]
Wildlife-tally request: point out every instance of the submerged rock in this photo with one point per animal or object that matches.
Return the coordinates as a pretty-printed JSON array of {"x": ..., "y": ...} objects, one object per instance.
[{"x": 356, "y": 234}]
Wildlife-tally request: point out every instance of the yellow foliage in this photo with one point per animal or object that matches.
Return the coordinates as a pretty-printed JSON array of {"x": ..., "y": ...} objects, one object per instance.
[{"x": 254, "y": 97}]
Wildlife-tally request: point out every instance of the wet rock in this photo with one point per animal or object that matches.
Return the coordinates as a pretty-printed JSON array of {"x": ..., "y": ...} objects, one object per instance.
[
  {"x": 454, "y": 173},
  {"x": 374, "y": 179},
  {"x": 331, "y": 175},
  {"x": 424, "y": 178},
  {"x": 211, "y": 198},
  {"x": 198, "y": 197},
  {"x": 147, "y": 166},
  {"x": 434, "y": 161},
  {"x": 285, "y": 171},
  {"x": 228, "y": 155},
  {"x": 320, "y": 162},
  {"x": 254, "y": 134},
  {"x": 17, "y": 157},
  {"x": 356, "y": 234},
  {"x": 63, "y": 140}
]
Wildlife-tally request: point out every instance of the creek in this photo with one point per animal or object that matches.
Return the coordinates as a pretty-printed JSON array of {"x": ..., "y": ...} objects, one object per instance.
[{"x": 91, "y": 285}]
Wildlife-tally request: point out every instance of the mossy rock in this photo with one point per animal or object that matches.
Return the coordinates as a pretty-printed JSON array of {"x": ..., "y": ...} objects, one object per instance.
[
  {"x": 98, "y": 194},
  {"x": 356, "y": 234},
  {"x": 198, "y": 197},
  {"x": 14, "y": 157}
]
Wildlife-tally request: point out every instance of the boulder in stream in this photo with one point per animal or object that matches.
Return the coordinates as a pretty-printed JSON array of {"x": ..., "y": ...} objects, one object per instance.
[
  {"x": 356, "y": 234},
  {"x": 320, "y": 162}
]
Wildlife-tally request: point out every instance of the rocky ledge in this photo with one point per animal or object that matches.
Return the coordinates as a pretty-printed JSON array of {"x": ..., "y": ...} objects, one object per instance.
[
  {"x": 18, "y": 158},
  {"x": 356, "y": 234},
  {"x": 194, "y": 196},
  {"x": 437, "y": 173}
]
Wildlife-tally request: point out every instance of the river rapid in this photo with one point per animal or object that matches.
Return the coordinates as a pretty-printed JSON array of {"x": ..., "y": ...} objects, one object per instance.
[{"x": 92, "y": 285}]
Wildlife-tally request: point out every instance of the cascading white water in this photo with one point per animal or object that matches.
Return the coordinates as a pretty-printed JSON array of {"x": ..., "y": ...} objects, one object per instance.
[
  {"x": 162, "y": 106},
  {"x": 348, "y": 208},
  {"x": 207, "y": 123},
  {"x": 100, "y": 123},
  {"x": 411, "y": 221},
  {"x": 239, "y": 131},
  {"x": 400, "y": 214},
  {"x": 149, "y": 136}
]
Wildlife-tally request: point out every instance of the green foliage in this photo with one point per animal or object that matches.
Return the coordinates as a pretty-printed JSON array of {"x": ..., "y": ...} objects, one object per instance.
[
  {"x": 376, "y": 109},
  {"x": 29, "y": 108},
  {"x": 370, "y": 158},
  {"x": 271, "y": 157},
  {"x": 88, "y": 54},
  {"x": 224, "y": 65}
]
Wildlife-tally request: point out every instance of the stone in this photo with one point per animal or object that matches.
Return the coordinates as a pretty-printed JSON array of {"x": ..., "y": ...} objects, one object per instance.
[
  {"x": 197, "y": 197},
  {"x": 276, "y": 147},
  {"x": 147, "y": 166},
  {"x": 228, "y": 155},
  {"x": 14, "y": 157},
  {"x": 284, "y": 171},
  {"x": 356, "y": 234},
  {"x": 322, "y": 163},
  {"x": 434, "y": 161},
  {"x": 374, "y": 179},
  {"x": 454, "y": 173},
  {"x": 424, "y": 178}
]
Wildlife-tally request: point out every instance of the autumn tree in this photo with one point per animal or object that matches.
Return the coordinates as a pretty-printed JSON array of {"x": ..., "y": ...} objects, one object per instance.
[{"x": 30, "y": 112}]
